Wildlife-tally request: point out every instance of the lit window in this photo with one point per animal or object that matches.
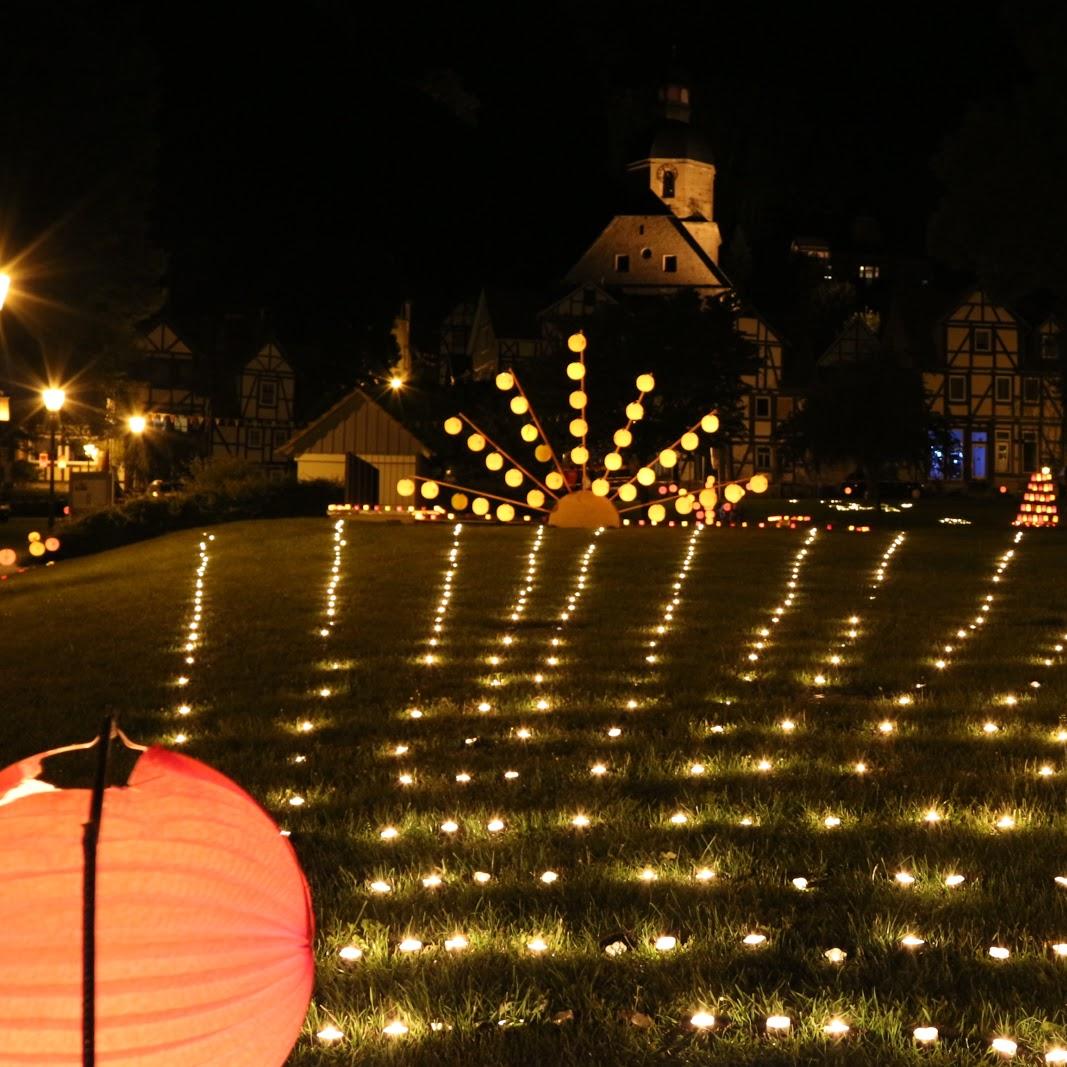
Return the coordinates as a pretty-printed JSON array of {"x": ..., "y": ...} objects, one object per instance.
[
  {"x": 957, "y": 389},
  {"x": 868, "y": 272},
  {"x": 1004, "y": 389},
  {"x": 622, "y": 263},
  {"x": 670, "y": 264},
  {"x": 982, "y": 340}
]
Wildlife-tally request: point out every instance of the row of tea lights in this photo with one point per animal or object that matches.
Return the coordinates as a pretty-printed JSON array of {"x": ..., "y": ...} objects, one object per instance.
[
  {"x": 193, "y": 632},
  {"x": 759, "y": 647},
  {"x": 852, "y": 632}
]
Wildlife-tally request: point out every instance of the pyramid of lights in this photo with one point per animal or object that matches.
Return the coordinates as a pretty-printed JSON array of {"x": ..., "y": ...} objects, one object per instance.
[
  {"x": 1038, "y": 507},
  {"x": 582, "y": 501}
]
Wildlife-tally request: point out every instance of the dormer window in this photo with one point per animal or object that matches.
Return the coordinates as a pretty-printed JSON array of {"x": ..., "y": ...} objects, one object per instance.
[
  {"x": 670, "y": 264},
  {"x": 268, "y": 394},
  {"x": 622, "y": 263},
  {"x": 983, "y": 340},
  {"x": 1048, "y": 346},
  {"x": 668, "y": 185}
]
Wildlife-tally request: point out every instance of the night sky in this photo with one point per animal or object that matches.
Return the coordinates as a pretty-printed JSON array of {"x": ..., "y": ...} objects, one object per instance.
[{"x": 322, "y": 163}]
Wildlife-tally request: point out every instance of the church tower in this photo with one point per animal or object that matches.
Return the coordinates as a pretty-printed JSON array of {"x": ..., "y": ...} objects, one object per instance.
[{"x": 679, "y": 169}]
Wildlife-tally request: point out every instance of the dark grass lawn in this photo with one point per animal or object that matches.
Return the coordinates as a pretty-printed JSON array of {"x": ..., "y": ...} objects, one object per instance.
[{"x": 777, "y": 753}]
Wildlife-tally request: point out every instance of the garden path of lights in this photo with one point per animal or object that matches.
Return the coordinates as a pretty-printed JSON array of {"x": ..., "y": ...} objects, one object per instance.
[
  {"x": 191, "y": 643},
  {"x": 468, "y": 837}
]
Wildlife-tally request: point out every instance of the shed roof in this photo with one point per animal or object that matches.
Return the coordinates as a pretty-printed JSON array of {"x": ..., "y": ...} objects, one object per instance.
[{"x": 393, "y": 437}]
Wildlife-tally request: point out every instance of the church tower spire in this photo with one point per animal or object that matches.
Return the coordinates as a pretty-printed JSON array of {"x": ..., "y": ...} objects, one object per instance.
[{"x": 679, "y": 167}]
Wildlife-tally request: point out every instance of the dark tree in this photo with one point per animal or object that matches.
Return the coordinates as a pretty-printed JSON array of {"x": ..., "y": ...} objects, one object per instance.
[
  {"x": 77, "y": 173},
  {"x": 872, "y": 414},
  {"x": 1003, "y": 214},
  {"x": 691, "y": 346}
]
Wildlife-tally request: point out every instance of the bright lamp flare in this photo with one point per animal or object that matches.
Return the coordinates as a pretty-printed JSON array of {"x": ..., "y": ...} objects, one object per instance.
[
  {"x": 53, "y": 398},
  {"x": 136, "y": 423}
]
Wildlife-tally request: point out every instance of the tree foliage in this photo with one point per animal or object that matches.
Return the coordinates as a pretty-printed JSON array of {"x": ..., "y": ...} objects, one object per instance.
[
  {"x": 1003, "y": 214},
  {"x": 872, "y": 414},
  {"x": 77, "y": 176}
]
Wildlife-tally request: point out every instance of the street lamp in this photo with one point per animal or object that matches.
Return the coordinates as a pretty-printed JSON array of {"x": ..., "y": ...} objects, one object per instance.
[
  {"x": 5, "y": 287},
  {"x": 53, "y": 402},
  {"x": 134, "y": 456}
]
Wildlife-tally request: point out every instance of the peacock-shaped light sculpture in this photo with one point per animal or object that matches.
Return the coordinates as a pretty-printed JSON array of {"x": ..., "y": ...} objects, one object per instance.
[{"x": 580, "y": 501}]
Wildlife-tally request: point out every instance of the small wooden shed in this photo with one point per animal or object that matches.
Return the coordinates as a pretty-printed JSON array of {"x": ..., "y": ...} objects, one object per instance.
[{"x": 360, "y": 445}]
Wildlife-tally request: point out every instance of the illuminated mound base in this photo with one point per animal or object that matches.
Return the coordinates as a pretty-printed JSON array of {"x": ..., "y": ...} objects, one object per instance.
[{"x": 584, "y": 510}]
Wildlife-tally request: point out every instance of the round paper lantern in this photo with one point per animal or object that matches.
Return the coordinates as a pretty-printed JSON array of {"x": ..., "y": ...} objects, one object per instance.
[
  {"x": 758, "y": 483},
  {"x": 405, "y": 487},
  {"x": 554, "y": 480},
  {"x": 535, "y": 498},
  {"x": 520, "y": 405},
  {"x": 542, "y": 453},
  {"x": 623, "y": 438},
  {"x": 577, "y": 399},
  {"x": 505, "y": 512},
  {"x": 52, "y": 543},
  {"x": 480, "y": 506},
  {"x": 476, "y": 442},
  {"x": 505, "y": 381},
  {"x": 733, "y": 493},
  {"x": 613, "y": 461},
  {"x": 529, "y": 433},
  {"x": 580, "y": 454},
  {"x": 646, "y": 476},
  {"x": 430, "y": 490},
  {"x": 628, "y": 492},
  {"x": 576, "y": 342},
  {"x": 33, "y": 536},
  {"x": 657, "y": 513},
  {"x": 453, "y": 425},
  {"x": 601, "y": 486},
  {"x": 578, "y": 427},
  {"x": 494, "y": 461},
  {"x": 645, "y": 383},
  {"x": 513, "y": 477},
  {"x": 689, "y": 441},
  {"x": 709, "y": 423},
  {"x": 708, "y": 498},
  {"x": 203, "y": 921},
  {"x": 683, "y": 505},
  {"x": 459, "y": 501},
  {"x": 668, "y": 458},
  {"x": 634, "y": 411},
  {"x": 576, "y": 371},
  {"x": 36, "y": 548},
  {"x": 8, "y": 556}
]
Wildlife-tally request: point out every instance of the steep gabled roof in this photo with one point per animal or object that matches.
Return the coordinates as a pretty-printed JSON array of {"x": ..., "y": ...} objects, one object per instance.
[{"x": 348, "y": 405}]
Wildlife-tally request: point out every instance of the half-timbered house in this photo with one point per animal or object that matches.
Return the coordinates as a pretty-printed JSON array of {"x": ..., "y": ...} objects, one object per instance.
[
  {"x": 996, "y": 382},
  {"x": 265, "y": 395},
  {"x": 169, "y": 383}
]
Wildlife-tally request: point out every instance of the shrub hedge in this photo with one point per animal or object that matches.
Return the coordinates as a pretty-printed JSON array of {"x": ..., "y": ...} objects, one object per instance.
[{"x": 142, "y": 517}]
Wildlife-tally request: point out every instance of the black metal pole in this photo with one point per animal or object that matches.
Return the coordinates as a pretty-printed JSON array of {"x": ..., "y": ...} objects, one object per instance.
[
  {"x": 89, "y": 842},
  {"x": 52, "y": 474}
]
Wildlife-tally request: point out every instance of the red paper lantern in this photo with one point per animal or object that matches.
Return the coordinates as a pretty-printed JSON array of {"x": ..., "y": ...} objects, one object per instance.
[{"x": 203, "y": 922}]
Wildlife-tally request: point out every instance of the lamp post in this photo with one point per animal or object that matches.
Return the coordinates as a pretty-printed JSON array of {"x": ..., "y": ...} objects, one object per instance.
[
  {"x": 53, "y": 402},
  {"x": 136, "y": 425}
]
